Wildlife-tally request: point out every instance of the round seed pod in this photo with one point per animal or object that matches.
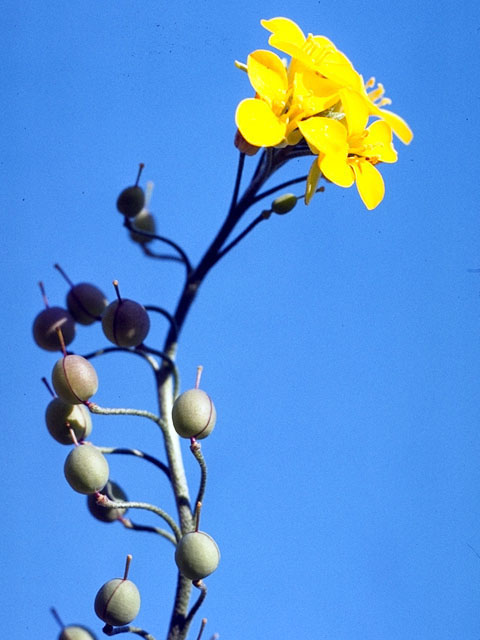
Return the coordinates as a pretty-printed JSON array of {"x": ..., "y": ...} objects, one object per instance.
[
  {"x": 86, "y": 469},
  {"x": 74, "y": 379},
  {"x": 131, "y": 201},
  {"x": 62, "y": 416},
  {"x": 76, "y": 632},
  {"x": 197, "y": 555},
  {"x": 194, "y": 414},
  {"x": 117, "y": 602},
  {"x": 107, "y": 514},
  {"x": 143, "y": 221},
  {"x": 284, "y": 203},
  {"x": 125, "y": 323},
  {"x": 47, "y": 322},
  {"x": 86, "y": 303}
]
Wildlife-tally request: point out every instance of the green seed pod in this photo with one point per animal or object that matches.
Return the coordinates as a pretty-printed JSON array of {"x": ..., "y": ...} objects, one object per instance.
[
  {"x": 86, "y": 303},
  {"x": 197, "y": 555},
  {"x": 74, "y": 379},
  {"x": 284, "y": 204},
  {"x": 86, "y": 469},
  {"x": 117, "y": 602},
  {"x": 143, "y": 221},
  {"x": 125, "y": 323},
  {"x": 61, "y": 416},
  {"x": 194, "y": 414},
  {"x": 107, "y": 514},
  {"x": 47, "y": 322},
  {"x": 76, "y": 632},
  {"x": 131, "y": 201}
]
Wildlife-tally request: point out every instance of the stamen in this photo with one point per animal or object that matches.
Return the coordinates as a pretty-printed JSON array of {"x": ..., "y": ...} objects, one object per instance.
[
  {"x": 370, "y": 83},
  {"x": 376, "y": 94}
]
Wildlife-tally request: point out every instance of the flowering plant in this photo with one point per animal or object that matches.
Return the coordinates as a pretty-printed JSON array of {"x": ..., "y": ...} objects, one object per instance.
[
  {"x": 317, "y": 104},
  {"x": 320, "y": 99}
]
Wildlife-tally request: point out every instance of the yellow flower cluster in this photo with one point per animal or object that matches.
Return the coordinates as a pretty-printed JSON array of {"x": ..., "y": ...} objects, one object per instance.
[{"x": 322, "y": 99}]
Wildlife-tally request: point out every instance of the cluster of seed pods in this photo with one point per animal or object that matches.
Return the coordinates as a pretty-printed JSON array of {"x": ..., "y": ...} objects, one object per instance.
[{"x": 126, "y": 324}]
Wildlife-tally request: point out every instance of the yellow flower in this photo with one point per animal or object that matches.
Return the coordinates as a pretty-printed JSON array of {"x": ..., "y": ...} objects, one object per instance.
[
  {"x": 320, "y": 97},
  {"x": 320, "y": 54},
  {"x": 347, "y": 151},
  {"x": 316, "y": 53},
  {"x": 271, "y": 118}
]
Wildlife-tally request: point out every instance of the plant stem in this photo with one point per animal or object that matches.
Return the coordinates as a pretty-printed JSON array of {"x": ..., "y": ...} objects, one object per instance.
[{"x": 269, "y": 161}]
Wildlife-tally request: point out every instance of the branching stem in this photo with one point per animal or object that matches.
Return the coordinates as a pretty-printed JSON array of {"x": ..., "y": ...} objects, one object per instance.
[{"x": 103, "y": 501}]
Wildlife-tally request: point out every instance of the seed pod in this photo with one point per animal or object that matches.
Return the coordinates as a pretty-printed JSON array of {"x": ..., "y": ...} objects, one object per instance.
[
  {"x": 143, "y": 221},
  {"x": 284, "y": 203},
  {"x": 62, "y": 416},
  {"x": 86, "y": 303},
  {"x": 197, "y": 555},
  {"x": 194, "y": 414},
  {"x": 47, "y": 322},
  {"x": 131, "y": 201},
  {"x": 126, "y": 323},
  {"x": 107, "y": 514},
  {"x": 76, "y": 632},
  {"x": 74, "y": 379},
  {"x": 86, "y": 469},
  {"x": 117, "y": 602}
]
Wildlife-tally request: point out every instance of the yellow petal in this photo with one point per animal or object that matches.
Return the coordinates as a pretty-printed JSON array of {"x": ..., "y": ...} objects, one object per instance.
[
  {"x": 312, "y": 181},
  {"x": 355, "y": 109},
  {"x": 268, "y": 76},
  {"x": 378, "y": 142},
  {"x": 332, "y": 63},
  {"x": 313, "y": 92},
  {"x": 283, "y": 29},
  {"x": 398, "y": 124},
  {"x": 334, "y": 166},
  {"x": 370, "y": 183},
  {"x": 327, "y": 135},
  {"x": 258, "y": 124}
]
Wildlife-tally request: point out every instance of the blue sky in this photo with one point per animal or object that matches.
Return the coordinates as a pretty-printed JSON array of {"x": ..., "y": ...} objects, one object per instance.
[{"x": 340, "y": 346}]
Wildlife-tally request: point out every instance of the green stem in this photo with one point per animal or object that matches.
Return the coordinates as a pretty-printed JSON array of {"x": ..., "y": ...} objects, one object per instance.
[
  {"x": 103, "y": 501},
  {"x": 270, "y": 160},
  {"x": 196, "y": 449},
  {"x": 113, "y": 631},
  {"x": 138, "y": 454},
  {"x": 128, "y": 524}
]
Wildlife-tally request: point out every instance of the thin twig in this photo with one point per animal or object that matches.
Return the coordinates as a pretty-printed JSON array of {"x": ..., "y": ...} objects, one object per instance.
[
  {"x": 113, "y": 631},
  {"x": 103, "y": 501},
  {"x": 203, "y": 594},
  {"x": 283, "y": 185},
  {"x": 240, "y": 236},
  {"x": 128, "y": 524},
  {"x": 120, "y": 411},
  {"x": 127, "y": 223},
  {"x": 166, "y": 314},
  {"x": 196, "y": 449},
  {"x": 238, "y": 179},
  {"x": 100, "y": 352},
  {"x": 138, "y": 454},
  {"x": 160, "y": 256}
]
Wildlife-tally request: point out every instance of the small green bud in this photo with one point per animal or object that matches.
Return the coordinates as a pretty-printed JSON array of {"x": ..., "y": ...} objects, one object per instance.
[{"x": 284, "y": 204}]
